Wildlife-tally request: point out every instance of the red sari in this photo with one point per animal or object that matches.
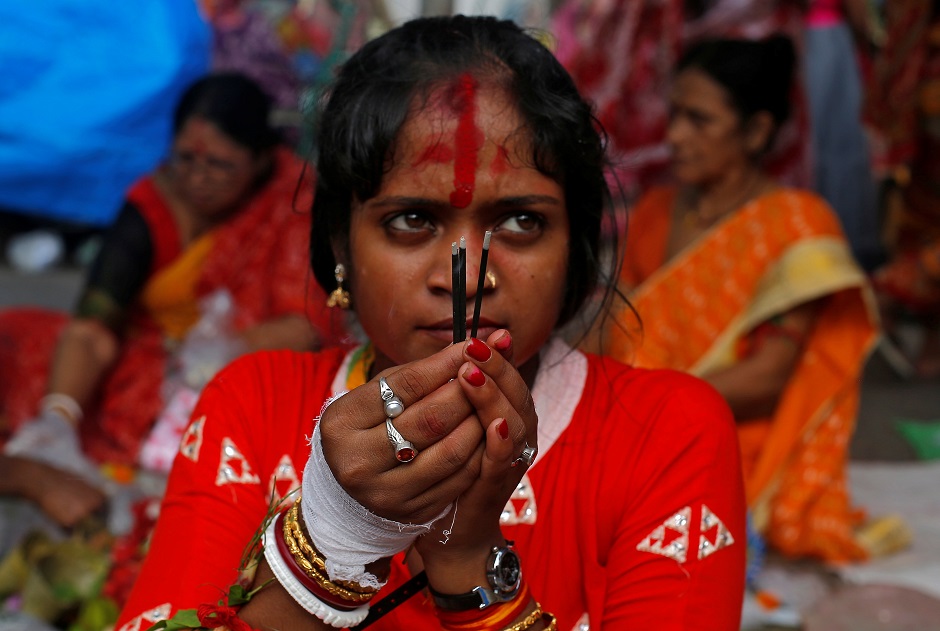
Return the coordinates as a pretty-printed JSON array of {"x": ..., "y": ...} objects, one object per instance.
[{"x": 260, "y": 256}]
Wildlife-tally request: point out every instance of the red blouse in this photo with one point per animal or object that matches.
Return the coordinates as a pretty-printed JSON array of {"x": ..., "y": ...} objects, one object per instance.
[{"x": 631, "y": 518}]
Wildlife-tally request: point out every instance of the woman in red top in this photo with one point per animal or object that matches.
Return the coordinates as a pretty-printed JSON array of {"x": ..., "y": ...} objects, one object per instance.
[{"x": 625, "y": 505}]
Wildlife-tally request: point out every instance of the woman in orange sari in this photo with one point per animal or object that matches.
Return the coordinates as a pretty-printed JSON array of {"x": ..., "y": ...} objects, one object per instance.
[
  {"x": 752, "y": 286},
  {"x": 219, "y": 219}
]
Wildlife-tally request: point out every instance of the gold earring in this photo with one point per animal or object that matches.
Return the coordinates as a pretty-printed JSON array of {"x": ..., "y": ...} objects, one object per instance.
[{"x": 339, "y": 297}]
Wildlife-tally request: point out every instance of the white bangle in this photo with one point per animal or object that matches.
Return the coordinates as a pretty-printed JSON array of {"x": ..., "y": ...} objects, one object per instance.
[
  {"x": 300, "y": 594},
  {"x": 73, "y": 411}
]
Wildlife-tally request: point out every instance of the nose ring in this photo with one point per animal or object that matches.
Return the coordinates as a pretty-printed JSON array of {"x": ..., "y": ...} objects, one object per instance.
[{"x": 491, "y": 279}]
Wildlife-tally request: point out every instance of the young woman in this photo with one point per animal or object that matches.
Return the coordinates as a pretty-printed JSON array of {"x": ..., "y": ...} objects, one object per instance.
[
  {"x": 617, "y": 491},
  {"x": 753, "y": 287}
]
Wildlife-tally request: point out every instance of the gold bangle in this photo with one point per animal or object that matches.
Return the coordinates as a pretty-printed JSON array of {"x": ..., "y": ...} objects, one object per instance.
[
  {"x": 312, "y": 555},
  {"x": 321, "y": 579},
  {"x": 529, "y": 620},
  {"x": 550, "y": 623}
]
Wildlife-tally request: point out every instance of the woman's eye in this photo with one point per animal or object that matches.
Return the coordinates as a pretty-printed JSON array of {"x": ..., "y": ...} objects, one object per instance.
[
  {"x": 408, "y": 222},
  {"x": 522, "y": 223}
]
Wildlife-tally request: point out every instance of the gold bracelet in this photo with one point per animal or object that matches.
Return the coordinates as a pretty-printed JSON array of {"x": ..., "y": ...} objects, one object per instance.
[
  {"x": 529, "y": 620},
  {"x": 550, "y": 623},
  {"x": 313, "y": 556},
  {"x": 321, "y": 579}
]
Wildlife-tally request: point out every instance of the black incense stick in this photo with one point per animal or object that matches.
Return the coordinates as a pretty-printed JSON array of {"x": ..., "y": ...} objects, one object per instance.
[
  {"x": 481, "y": 281},
  {"x": 462, "y": 293},
  {"x": 455, "y": 288}
]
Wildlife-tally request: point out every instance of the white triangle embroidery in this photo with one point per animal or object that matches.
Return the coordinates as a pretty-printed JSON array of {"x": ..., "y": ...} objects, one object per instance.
[
  {"x": 234, "y": 467},
  {"x": 676, "y": 525},
  {"x": 191, "y": 442},
  {"x": 723, "y": 537},
  {"x": 148, "y": 618},
  {"x": 284, "y": 481},
  {"x": 521, "y": 508}
]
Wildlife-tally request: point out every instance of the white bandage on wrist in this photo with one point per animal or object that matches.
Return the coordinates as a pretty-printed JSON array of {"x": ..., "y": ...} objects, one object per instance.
[
  {"x": 56, "y": 401},
  {"x": 348, "y": 535}
]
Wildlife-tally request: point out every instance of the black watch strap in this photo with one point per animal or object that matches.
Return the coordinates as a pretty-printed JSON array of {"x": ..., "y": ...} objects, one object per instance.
[{"x": 477, "y": 598}]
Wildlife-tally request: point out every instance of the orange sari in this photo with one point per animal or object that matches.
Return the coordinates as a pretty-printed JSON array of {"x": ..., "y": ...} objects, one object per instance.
[{"x": 777, "y": 252}]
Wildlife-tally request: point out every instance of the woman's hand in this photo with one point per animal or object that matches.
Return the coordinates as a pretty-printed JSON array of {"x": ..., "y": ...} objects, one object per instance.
[
  {"x": 63, "y": 496},
  {"x": 438, "y": 419},
  {"x": 455, "y": 560}
]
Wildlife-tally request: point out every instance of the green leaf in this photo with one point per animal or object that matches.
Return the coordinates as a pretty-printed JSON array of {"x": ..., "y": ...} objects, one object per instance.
[
  {"x": 184, "y": 619},
  {"x": 237, "y": 596}
]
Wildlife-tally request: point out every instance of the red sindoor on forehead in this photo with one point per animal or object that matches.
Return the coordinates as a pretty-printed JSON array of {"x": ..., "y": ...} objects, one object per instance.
[{"x": 468, "y": 141}]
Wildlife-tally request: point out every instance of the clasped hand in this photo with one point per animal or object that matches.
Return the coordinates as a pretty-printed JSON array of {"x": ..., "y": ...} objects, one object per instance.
[{"x": 469, "y": 419}]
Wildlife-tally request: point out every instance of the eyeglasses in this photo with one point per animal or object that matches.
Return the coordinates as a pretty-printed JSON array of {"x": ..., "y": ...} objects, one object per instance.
[{"x": 215, "y": 169}]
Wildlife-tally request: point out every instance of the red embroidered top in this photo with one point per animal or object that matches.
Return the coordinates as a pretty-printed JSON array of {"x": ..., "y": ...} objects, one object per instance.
[{"x": 632, "y": 517}]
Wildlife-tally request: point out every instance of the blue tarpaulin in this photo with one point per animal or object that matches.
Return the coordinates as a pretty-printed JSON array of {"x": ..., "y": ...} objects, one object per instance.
[{"x": 87, "y": 91}]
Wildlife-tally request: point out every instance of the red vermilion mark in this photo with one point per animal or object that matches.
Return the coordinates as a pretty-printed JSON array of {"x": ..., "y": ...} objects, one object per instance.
[
  {"x": 468, "y": 140},
  {"x": 500, "y": 163},
  {"x": 435, "y": 153}
]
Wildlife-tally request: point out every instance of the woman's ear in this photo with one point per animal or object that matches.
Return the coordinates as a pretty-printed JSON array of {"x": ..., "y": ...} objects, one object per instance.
[{"x": 759, "y": 131}]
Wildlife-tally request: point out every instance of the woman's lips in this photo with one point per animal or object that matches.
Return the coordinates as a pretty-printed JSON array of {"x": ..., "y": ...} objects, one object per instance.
[{"x": 444, "y": 329}]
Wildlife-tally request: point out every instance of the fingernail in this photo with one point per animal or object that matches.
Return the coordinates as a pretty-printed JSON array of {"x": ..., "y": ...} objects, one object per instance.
[
  {"x": 478, "y": 350},
  {"x": 504, "y": 341},
  {"x": 502, "y": 428},
  {"x": 474, "y": 376}
]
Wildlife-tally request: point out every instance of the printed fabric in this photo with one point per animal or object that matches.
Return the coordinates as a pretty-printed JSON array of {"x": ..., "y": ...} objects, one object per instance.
[{"x": 775, "y": 253}]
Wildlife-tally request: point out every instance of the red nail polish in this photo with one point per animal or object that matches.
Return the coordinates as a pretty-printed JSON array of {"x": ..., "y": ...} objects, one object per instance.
[
  {"x": 478, "y": 350},
  {"x": 502, "y": 428},
  {"x": 474, "y": 376},
  {"x": 504, "y": 342}
]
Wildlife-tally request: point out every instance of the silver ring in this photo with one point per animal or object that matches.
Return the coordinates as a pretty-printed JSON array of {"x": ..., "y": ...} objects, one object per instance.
[
  {"x": 527, "y": 457},
  {"x": 405, "y": 450},
  {"x": 393, "y": 405}
]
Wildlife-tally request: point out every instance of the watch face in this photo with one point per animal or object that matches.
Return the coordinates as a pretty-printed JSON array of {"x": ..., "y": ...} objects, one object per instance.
[{"x": 507, "y": 572}]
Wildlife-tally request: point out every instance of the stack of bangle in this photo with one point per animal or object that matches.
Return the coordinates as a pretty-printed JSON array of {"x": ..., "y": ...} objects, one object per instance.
[
  {"x": 301, "y": 570},
  {"x": 493, "y": 617},
  {"x": 463, "y": 620}
]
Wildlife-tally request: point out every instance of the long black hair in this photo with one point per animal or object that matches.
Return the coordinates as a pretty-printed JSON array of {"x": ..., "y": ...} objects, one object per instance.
[
  {"x": 757, "y": 74},
  {"x": 378, "y": 87}
]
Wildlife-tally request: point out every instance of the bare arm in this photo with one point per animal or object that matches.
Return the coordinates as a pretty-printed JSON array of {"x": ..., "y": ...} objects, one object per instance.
[
  {"x": 64, "y": 497},
  {"x": 752, "y": 386},
  {"x": 86, "y": 351}
]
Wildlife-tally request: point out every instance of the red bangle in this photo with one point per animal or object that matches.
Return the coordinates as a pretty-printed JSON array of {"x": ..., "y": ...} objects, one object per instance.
[{"x": 310, "y": 584}]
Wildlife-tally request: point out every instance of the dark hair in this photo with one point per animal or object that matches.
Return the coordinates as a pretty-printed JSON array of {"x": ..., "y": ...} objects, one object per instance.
[
  {"x": 235, "y": 104},
  {"x": 758, "y": 74},
  {"x": 377, "y": 88}
]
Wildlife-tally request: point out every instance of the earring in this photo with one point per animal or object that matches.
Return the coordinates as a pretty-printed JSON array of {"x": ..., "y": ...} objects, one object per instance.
[{"x": 339, "y": 297}]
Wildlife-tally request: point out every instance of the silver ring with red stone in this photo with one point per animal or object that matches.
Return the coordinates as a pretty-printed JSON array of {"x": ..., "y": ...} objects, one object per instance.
[{"x": 405, "y": 451}]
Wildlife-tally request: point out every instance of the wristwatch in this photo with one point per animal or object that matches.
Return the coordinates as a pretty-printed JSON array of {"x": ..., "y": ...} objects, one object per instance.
[{"x": 504, "y": 575}]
